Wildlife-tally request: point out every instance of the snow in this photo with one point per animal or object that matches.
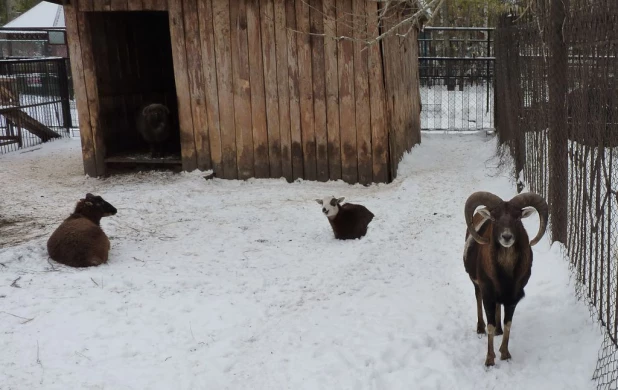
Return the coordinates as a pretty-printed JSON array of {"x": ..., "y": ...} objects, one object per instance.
[
  {"x": 456, "y": 110},
  {"x": 241, "y": 285},
  {"x": 42, "y": 15}
]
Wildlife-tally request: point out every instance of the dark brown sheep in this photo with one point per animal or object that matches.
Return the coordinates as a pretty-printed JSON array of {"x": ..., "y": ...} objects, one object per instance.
[
  {"x": 348, "y": 221},
  {"x": 498, "y": 259},
  {"x": 153, "y": 123},
  {"x": 79, "y": 241}
]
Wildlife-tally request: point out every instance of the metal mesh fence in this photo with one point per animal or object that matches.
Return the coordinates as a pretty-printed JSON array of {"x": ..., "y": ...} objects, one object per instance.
[
  {"x": 36, "y": 102},
  {"x": 557, "y": 115},
  {"x": 456, "y": 71}
]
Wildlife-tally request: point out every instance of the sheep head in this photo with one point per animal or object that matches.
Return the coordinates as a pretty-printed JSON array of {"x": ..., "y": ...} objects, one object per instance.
[
  {"x": 95, "y": 207},
  {"x": 330, "y": 205},
  {"x": 506, "y": 216},
  {"x": 155, "y": 114}
]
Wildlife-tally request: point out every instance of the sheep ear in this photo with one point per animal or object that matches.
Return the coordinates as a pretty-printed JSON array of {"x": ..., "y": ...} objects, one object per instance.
[
  {"x": 340, "y": 199},
  {"x": 485, "y": 212},
  {"x": 527, "y": 211},
  {"x": 319, "y": 201},
  {"x": 89, "y": 196}
]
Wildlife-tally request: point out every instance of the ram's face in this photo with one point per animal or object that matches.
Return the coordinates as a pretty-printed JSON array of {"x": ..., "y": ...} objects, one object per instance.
[
  {"x": 330, "y": 205},
  {"x": 506, "y": 220}
]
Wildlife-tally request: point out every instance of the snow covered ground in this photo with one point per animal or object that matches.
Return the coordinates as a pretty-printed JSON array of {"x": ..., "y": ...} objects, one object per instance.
[{"x": 241, "y": 285}]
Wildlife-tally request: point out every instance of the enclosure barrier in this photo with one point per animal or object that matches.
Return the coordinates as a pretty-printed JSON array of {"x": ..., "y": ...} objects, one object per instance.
[
  {"x": 36, "y": 102},
  {"x": 456, "y": 70},
  {"x": 557, "y": 116}
]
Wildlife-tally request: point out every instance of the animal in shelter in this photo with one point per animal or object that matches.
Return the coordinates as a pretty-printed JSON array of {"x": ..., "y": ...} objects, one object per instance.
[
  {"x": 498, "y": 258},
  {"x": 349, "y": 221},
  {"x": 79, "y": 241},
  {"x": 154, "y": 125}
]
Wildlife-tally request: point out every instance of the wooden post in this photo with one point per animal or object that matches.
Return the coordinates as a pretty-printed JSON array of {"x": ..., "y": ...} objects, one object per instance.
[{"x": 558, "y": 143}]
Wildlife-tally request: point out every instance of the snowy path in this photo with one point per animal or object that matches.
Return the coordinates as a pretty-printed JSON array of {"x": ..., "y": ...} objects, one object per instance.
[{"x": 240, "y": 285}]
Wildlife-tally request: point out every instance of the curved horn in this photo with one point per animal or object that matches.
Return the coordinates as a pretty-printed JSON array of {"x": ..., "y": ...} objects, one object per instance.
[
  {"x": 480, "y": 198},
  {"x": 530, "y": 199}
]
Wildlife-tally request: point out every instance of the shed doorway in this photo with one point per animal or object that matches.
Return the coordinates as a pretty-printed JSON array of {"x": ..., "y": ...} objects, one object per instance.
[{"x": 134, "y": 67}]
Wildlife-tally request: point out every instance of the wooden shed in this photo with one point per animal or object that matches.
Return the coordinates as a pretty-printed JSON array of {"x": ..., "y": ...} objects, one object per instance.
[{"x": 260, "y": 88}]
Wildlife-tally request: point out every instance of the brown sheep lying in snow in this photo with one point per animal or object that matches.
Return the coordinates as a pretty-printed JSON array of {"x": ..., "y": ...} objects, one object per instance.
[
  {"x": 349, "y": 221},
  {"x": 79, "y": 241}
]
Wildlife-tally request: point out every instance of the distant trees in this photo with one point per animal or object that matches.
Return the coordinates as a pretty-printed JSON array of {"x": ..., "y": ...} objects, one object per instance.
[{"x": 10, "y": 9}]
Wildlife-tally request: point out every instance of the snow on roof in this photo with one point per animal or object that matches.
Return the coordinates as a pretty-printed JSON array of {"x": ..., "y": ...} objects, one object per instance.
[{"x": 42, "y": 15}]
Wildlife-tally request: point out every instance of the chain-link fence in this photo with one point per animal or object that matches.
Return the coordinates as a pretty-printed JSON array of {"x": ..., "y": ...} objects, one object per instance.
[
  {"x": 557, "y": 115},
  {"x": 456, "y": 71},
  {"x": 37, "y": 103}
]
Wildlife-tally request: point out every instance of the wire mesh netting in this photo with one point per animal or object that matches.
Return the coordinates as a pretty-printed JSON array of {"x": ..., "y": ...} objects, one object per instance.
[
  {"x": 37, "y": 103},
  {"x": 557, "y": 115},
  {"x": 456, "y": 71}
]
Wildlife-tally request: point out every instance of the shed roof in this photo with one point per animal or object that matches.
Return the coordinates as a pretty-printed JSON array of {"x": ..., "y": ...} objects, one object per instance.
[{"x": 42, "y": 15}]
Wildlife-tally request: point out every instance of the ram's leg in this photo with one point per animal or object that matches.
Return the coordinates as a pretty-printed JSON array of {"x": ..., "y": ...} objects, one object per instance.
[
  {"x": 498, "y": 320},
  {"x": 508, "y": 318},
  {"x": 490, "y": 312},
  {"x": 480, "y": 324}
]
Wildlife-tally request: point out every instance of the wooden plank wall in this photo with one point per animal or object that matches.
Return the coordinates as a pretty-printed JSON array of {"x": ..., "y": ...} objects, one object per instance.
[
  {"x": 265, "y": 90},
  {"x": 400, "y": 59}
]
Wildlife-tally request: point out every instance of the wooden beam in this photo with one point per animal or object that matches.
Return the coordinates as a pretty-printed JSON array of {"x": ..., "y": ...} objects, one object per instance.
[
  {"x": 222, "y": 33},
  {"x": 283, "y": 92},
  {"x": 242, "y": 88},
  {"x": 79, "y": 85},
  {"x": 90, "y": 78},
  {"x": 361, "y": 94},
  {"x": 209, "y": 64},
  {"x": 318, "y": 63},
  {"x": 347, "y": 101},
  {"x": 269, "y": 54},
  {"x": 295, "y": 123},
  {"x": 196, "y": 84},
  {"x": 185, "y": 115},
  {"x": 379, "y": 129},
  {"x": 305, "y": 89},
  {"x": 331, "y": 79}
]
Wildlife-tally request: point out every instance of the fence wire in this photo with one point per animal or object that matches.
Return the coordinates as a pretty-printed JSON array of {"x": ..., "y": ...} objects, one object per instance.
[
  {"x": 557, "y": 115},
  {"x": 36, "y": 102}
]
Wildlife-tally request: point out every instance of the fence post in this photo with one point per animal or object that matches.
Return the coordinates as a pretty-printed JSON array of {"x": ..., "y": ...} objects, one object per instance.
[
  {"x": 558, "y": 141},
  {"x": 63, "y": 84}
]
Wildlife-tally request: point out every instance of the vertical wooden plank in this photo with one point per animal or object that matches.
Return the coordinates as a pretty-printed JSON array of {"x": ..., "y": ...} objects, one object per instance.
[
  {"x": 347, "y": 101},
  {"x": 379, "y": 129},
  {"x": 361, "y": 93},
  {"x": 210, "y": 83},
  {"x": 242, "y": 86},
  {"x": 295, "y": 123},
  {"x": 135, "y": 5},
  {"x": 119, "y": 5},
  {"x": 79, "y": 85},
  {"x": 222, "y": 34},
  {"x": 159, "y": 5},
  {"x": 269, "y": 56},
  {"x": 185, "y": 117},
  {"x": 332, "y": 89},
  {"x": 305, "y": 87},
  {"x": 84, "y": 6},
  {"x": 148, "y": 4},
  {"x": 282, "y": 88},
  {"x": 196, "y": 84},
  {"x": 258, "y": 99},
  {"x": 319, "y": 89},
  {"x": 90, "y": 77},
  {"x": 96, "y": 6}
]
